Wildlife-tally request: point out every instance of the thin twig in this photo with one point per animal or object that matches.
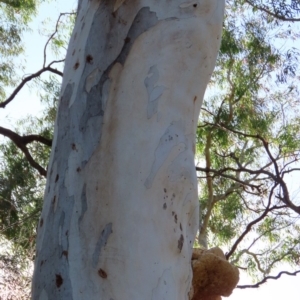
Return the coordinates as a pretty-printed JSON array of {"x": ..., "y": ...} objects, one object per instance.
[{"x": 53, "y": 34}]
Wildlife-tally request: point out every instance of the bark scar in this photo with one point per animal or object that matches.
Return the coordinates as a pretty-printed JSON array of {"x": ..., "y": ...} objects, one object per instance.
[{"x": 106, "y": 232}]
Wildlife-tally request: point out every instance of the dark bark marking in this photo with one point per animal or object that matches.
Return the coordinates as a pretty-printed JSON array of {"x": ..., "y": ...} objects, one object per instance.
[
  {"x": 84, "y": 205},
  {"x": 89, "y": 59},
  {"x": 76, "y": 66},
  {"x": 165, "y": 206},
  {"x": 180, "y": 226},
  {"x": 59, "y": 280},
  {"x": 127, "y": 40},
  {"x": 175, "y": 218},
  {"x": 122, "y": 21},
  {"x": 180, "y": 242},
  {"x": 56, "y": 178},
  {"x": 106, "y": 232},
  {"x": 41, "y": 222},
  {"x": 65, "y": 253},
  {"x": 102, "y": 273}
]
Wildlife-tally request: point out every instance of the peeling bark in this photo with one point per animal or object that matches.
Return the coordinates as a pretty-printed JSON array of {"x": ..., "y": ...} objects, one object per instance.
[{"x": 121, "y": 207}]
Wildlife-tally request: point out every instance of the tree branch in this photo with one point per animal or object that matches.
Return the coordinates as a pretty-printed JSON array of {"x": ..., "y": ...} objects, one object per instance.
[
  {"x": 26, "y": 139},
  {"x": 53, "y": 34},
  {"x": 267, "y": 278},
  {"x": 22, "y": 141},
  {"x": 27, "y": 79},
  {"x": 221, "y": 173},
  {"x": 251, "y": 224},
  {"x": 277, "y": 177},
  {"x": 266, "y": 10}
]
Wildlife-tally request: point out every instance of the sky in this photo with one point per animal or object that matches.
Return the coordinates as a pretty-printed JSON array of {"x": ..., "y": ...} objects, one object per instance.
[{"x": 26, "y": 103}]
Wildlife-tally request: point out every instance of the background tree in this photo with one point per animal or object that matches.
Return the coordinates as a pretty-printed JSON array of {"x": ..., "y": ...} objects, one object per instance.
[
  {"x": 14, "y": 19},
  {"x": 248, "y": 143}
]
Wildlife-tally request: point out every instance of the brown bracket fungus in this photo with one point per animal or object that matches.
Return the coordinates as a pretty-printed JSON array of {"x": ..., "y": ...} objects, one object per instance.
[{"x": 213, "y": 275}]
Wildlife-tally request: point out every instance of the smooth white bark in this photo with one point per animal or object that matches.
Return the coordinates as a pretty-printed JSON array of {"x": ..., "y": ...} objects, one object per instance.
[{"x": 121, "y": 207}]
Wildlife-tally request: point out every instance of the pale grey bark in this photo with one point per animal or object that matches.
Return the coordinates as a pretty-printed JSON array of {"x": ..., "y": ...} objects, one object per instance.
[{"x": 121, "y": 208}]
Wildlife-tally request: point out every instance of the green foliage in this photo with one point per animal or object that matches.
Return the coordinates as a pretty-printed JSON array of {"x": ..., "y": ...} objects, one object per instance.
[
  {"x": 21, "y": 195},
  {"x": 248, "y": 141},
  {"x": 14, "y": 18},
  {"x": 21, "y": 4},
  {"x": 21, "y": 187}
]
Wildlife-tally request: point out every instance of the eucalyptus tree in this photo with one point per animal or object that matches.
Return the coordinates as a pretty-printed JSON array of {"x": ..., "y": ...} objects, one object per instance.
[
  {"x": 247, "y": 142},
  {"x": 121, "y": 211}
]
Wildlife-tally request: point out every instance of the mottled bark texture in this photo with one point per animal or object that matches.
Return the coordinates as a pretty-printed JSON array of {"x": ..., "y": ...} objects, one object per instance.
[{"x": 121, "y": 208}]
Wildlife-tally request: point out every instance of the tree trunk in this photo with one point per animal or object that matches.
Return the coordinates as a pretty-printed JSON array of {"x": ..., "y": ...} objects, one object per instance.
[{"x": 121, "y": 207}]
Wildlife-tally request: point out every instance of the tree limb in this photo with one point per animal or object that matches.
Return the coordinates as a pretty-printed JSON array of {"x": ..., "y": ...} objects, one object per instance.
[
  {"x": 266, "y": 10},
  {"x": 277, "y": 177},
  {"x": 221, "y": 173},
  {"x": 27, "y": 79},
  {"x": 251, "y": 224},
  {"x": 26, "y": 139},
  {"x": 22, "y": 141},
  {"x": 266, "y": 278}
]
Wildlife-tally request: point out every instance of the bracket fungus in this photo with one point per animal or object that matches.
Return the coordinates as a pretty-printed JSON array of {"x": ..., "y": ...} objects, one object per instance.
[{"x": 213, "y": 275}]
